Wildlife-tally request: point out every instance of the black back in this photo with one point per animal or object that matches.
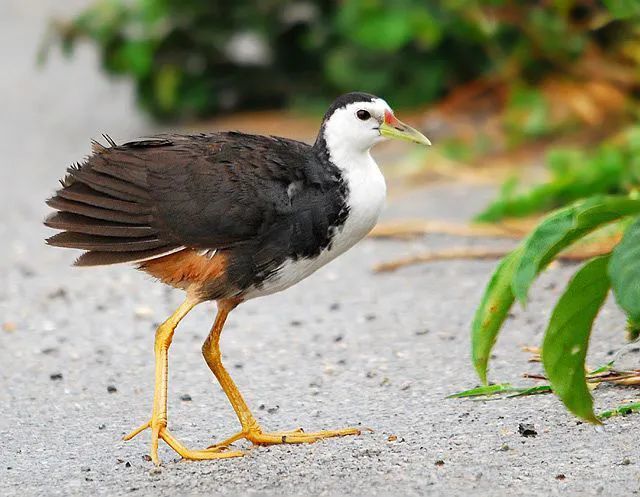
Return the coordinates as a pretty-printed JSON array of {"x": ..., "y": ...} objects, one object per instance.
[{"x": 261, "y": 199}]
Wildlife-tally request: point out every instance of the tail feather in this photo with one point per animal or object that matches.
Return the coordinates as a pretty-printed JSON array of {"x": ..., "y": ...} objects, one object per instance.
[
  {"x": 83, "y": 241},
  {"x": 86, "y": 195},
  {"x": 98, "y": 258},
  {"x": 126, "y": 168},
  {"x": 64, "y": 205},
  {"x": 109, "y": 185},
  {"x": 104, "y": 208},
  {"x": 77, "y": 223}
]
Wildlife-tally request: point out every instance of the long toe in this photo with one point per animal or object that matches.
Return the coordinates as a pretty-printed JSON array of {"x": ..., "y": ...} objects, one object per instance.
[
  {"x": 297, "y": 436},
  {"x": 196, "y": 455},
  {"x": 162, "y": 433}
]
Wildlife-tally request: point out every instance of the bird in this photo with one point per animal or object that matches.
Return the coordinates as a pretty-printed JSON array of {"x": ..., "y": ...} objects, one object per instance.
[{"x": 227, "y": 217}]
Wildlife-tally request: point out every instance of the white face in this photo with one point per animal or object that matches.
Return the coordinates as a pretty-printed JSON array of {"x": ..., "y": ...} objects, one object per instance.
[{"x": 357, "y": 125}]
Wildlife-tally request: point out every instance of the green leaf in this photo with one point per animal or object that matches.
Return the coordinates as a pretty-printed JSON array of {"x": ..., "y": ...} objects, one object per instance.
[
  {"x": 567, "y": 337},
  {"x": 633, "y": 330},
  {"x": 527, "y": 114},
  {"x": 539, "y": 245},
  {"x": 537, "y": 390},
  {"x": 500, "y": 388},
  {"x": 623, "y": 8},
  {"x": 620, "y": 411},
  {"x": 387, "y": 31},
  {"x": 166, "y": 84},
  {"x": 484, "y": 390},
  {"x": 604, "y": 368},
  {"x": 426, "y": 28},
  {"x": 134, "y": 57},
  {"x": 609, "y": 169},
  {"x": 494, "y": 307},
  {"x": 516, "y": 272},
  {"x": 624, "y": 272},
  {"x": 561, "y": 229},
  {"x": 346, "y": 67},
  {"x": 375, "y": 27}
]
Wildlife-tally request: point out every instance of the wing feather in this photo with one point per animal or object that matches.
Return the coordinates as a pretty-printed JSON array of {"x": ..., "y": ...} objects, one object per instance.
[
  {"x": 91, "y": 226},
  {"x": 104, "y": 243},
  {"x": 86, "y": 195},
  {"x": 144, "y": 199}
]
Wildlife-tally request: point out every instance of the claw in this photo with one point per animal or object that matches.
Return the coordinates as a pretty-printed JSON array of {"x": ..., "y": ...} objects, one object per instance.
[{"x": 161, "y": 432}]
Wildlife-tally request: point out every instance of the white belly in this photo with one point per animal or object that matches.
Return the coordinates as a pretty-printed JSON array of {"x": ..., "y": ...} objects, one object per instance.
[{"x": 367, "y": 192}]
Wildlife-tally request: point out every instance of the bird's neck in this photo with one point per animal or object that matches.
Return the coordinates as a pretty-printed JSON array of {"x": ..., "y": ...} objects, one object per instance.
[{"x": 342, "y": 154}]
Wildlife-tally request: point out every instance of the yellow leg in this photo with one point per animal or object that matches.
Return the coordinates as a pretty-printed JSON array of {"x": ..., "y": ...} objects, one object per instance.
[
  {"x": 158, "y": 421},
  {"x": 251, "y": 430}
]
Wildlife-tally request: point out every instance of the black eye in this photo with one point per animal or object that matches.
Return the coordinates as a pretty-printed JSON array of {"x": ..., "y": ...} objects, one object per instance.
[{"x": 363, "y": 115}]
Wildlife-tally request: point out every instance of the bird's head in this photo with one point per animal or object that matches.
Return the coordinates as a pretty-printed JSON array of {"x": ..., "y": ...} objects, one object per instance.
[{"x": 356, "y": 121}]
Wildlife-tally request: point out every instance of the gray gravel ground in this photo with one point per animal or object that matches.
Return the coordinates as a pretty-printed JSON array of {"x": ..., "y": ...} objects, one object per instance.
[{"x": 342, "y": 348}]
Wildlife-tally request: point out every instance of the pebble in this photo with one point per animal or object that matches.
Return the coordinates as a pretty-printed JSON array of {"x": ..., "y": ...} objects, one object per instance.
[
  {"x": 59, "y": 293},
  {"x": 527, "y": 430},
  {"x": 26, "y": 271}
]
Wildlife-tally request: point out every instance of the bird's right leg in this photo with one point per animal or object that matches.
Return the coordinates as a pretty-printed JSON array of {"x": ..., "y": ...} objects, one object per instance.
[
  {"x": 158, "y": 421},
  {"x": 251, "y": 430}
]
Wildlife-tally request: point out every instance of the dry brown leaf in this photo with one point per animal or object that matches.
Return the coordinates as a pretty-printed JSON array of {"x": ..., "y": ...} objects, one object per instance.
[
  {"x": 409, "y": 228},
  {"x": 574, "y": 255}
]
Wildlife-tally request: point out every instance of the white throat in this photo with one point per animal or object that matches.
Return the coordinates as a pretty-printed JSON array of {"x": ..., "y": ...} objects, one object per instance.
[
  {"x": 367, "y": 188},
  {"x": 343, "y": 155}
]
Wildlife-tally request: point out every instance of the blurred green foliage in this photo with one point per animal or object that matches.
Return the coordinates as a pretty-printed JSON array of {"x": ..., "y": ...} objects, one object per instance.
[
  {"x": 611, "y": 168},
  {"x": 193, "y": 58}
]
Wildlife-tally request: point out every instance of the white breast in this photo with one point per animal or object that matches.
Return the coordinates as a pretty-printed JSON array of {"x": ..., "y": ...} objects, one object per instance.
[{"x": 367, "y": 191}]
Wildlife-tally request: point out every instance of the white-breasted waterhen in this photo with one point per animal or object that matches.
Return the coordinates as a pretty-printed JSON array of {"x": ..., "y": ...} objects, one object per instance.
[{"x": 228, "y": 217}]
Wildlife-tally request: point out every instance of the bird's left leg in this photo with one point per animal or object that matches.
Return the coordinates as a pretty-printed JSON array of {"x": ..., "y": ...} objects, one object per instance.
[
  {"x": 158, "y": 421},
  {"x": 251, "y": 429}
]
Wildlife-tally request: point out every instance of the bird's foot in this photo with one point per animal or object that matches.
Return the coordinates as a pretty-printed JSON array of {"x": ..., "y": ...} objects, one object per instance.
[
  {"x": 257, "y": 437},
  {"x": 159, "y": 431}
]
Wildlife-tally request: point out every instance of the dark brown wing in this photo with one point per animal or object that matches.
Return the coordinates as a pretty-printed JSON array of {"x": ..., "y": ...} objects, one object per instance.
[{"x": 148, "y": 198}]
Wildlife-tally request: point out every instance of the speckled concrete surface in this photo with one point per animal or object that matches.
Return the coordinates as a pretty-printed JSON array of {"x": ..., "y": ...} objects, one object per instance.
[{"x": 342, "y": 348}]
